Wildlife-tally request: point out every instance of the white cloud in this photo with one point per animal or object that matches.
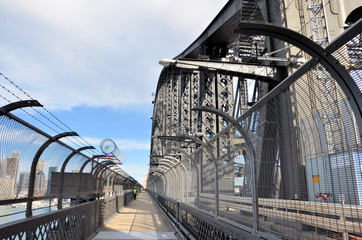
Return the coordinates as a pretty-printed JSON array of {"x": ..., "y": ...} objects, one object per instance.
[{"x": 96, "y": 53}]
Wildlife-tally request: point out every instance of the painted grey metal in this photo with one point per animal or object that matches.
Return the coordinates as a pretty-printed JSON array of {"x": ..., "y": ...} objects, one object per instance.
[
  {"x": 21, "y": 104},
  {"x": 230, "y": 10},
  {"x": 337, "y": 71},
  {"x": 203, "y": 225},
  {"x": 197, "y": 173},
  {"x": 60, "y": 199},
  {"x": 345, "y": 37},
  {"x": 252, "y": 159},
  {"x": 76, "y": 222},
  {"x": 182, "y": 137},
  {"x": 33, "y": 168},
  {"x": 246, "y": 70}
]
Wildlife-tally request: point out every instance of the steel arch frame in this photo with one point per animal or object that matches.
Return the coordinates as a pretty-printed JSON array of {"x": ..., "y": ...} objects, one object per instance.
[
  {"x": 61, "y": 188},
  {"x": 252, "y": 160},
  {"x": 29, "y": 204},
  {"x": 319, "y": 54}
]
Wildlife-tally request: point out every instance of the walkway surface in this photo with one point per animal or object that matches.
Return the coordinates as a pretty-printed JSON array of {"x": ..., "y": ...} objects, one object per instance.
[{"x": 140, "y": 219}]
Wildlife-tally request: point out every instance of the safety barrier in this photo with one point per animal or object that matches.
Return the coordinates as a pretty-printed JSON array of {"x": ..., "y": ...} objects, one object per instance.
[
  {"x": 82, "y": 221},
  {"x": 285, "y": 160},
  {"x": 204, "y": 225}
]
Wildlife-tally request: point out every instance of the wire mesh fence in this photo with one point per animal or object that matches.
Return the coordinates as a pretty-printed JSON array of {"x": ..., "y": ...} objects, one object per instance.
[
  {"x": 41, "y": 173},
  {"x": 289, "y": 164}
]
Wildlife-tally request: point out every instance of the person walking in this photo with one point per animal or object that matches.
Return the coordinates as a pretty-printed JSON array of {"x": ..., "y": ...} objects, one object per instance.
[{"x": 134, "y": 193}]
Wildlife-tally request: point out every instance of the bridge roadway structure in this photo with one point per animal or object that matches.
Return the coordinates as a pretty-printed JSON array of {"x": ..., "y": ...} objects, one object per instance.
[{"x": 256, "y": 134}]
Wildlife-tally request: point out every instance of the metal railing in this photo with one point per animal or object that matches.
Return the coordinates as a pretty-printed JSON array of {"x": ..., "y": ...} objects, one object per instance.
[
  {"x": 52, "y": 187},
  {"x": 288, "y": 165},
  {"x": 76, "y": 222}
]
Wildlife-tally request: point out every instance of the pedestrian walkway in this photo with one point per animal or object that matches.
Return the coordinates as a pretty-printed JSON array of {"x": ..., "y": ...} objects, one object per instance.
[{"x": 140, "y": 219}]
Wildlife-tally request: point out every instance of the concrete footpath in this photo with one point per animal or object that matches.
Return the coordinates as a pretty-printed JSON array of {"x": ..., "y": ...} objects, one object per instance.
[{"x": 140, "y": 219}]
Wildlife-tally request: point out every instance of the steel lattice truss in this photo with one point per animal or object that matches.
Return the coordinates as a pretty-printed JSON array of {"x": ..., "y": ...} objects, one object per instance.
[{"x": 259, "y": 121}]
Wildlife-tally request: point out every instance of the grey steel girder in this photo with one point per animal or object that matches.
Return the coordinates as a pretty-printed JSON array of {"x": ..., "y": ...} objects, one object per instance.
[
  {"x": 252, "y": 71},
  {"x": 320, "y": 55}
]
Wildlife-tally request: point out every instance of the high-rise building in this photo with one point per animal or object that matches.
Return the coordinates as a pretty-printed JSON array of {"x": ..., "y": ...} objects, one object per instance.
[
  {"x": 40, "y": 166},
  {"x": 8, "y": 174},
  {"x": 23, "y": 185},
  {"x": 6, "y": 188},
  {"x": 50, "y": 171},
  {"x": 40, "y": 183},
  {"x": 12, "y": 165},
  {"x": 9, "y": 166},
  {"x": 2, "y": 165}
]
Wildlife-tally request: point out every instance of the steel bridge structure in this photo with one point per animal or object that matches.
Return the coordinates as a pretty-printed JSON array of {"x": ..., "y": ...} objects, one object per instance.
[
  {"x": 256, "y": 134},
  {"x": 256, "y": 128},
  {"x": 54, "y": 190}
]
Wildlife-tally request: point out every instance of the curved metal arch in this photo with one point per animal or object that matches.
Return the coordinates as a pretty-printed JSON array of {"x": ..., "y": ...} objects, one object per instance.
[
  {"x": 96, "y": 170},
  {"x": 166, "y": 163},
  {"x": 171, "y": 167},
  {"x": 158, "y": 171},
  {"x": 61, "y": 188},
  {"x": 101, "y": 178},
  {"x": 176, "y": 177},
  {"x": 102, "y": 169},
  {"x": 122, "y": 178},
  {"x": 179, "y": 161},
  {"x": 174, "y": 166},
  {"x": 182, "y": 137},
  {"x": 20, "y": 104},
  {"x": 90, "y": 159},
  {"x": 337, "y": 71},
  {"x": 164, "y": 159},
  {"x": 109, "y": 177},
  {"x": 252, "y": 156},
  {"x": 197, "y": 172},
  {"x": 90, "y": 174},
  {"x": 101, "y": 166},
  {"x": 35, "y": 161},
  {"x": 163, "y": 167},
  {"x": 157, "y": 179}
]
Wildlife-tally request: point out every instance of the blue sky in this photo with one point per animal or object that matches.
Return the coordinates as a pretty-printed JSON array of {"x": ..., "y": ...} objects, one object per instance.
[{"x": 94, "y": 64}]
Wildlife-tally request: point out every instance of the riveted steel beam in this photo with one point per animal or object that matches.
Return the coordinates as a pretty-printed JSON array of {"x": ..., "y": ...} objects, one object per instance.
[{"x": 256, "y": 72}]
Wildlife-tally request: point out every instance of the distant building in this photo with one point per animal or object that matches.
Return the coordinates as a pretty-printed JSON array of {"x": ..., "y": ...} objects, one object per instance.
[
  {"x": 8, "y": 174},
  {"x": 6, "y": 188},
  {"x": 23, "y": 185},
  {"x": 40, "y": 166},
  {"x": 50, "y": 171},
  {"x": 40, "y": 184},
  {"x": 9, "y": 166}
]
